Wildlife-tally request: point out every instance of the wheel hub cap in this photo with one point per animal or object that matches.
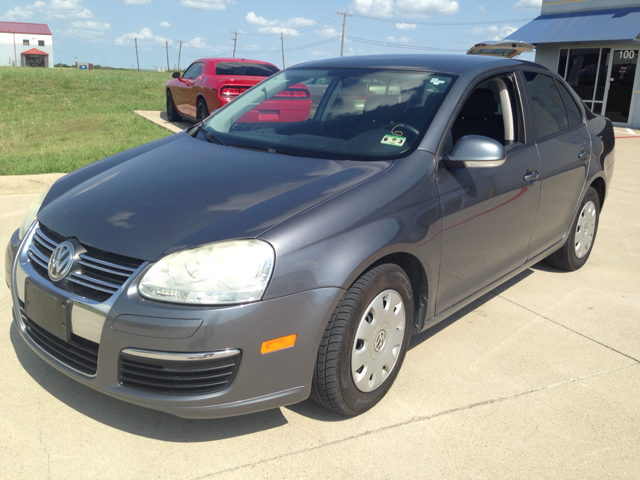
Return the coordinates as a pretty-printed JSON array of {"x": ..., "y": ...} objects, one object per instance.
[
  {"x": 378, "y": 341},
  {"x": 585, "y": 229}
]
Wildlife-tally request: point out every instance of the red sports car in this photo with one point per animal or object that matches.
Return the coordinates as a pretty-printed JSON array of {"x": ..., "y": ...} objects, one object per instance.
[{"x": 210, "y": 83}]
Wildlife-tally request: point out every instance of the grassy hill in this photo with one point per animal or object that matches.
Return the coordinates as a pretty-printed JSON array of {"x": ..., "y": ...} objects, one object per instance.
[{"x": 58, "y": 119}]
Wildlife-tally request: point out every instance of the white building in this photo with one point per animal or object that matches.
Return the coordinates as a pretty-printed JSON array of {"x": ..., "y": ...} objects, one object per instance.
[
  {"x": 26, "y": 44},
  {"x": 594, "y": 45}
]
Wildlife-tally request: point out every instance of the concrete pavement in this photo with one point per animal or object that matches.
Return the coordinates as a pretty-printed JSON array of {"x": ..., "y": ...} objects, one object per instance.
[{"x": 538, "y": 379}]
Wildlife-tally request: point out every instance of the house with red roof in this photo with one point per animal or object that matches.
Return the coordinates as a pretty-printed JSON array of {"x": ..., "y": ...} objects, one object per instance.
[{"x": 26, "y": 44}]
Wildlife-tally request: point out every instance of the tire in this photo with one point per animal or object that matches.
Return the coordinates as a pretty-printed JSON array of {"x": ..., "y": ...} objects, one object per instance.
[
  {"x": 172, "y": 113},
  {"x": 365, "y": 342},
  {"x": 576, "y": 250},
  {"x": 202, "y": 111}
]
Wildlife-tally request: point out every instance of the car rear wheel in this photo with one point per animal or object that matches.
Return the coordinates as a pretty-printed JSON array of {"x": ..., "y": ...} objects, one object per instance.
[
  {"x": 365, "y": 342},
  {"x": 172, "y": 113},
  {"x": 202, "y": 111},
  {"x": 575, "y": 252}
]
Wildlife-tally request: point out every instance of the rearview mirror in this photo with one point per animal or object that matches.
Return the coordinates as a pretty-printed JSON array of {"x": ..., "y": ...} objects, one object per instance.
[
  {"x": 175, "y": 74},
  {"x": 476, "y": 151}
]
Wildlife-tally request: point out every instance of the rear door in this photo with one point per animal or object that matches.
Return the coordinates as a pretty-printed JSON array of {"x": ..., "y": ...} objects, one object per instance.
[{"x": 564, "y": 145}]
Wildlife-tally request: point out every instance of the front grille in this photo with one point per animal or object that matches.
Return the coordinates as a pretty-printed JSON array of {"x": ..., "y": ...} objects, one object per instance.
[
  {"x": 79, "y": 354},
  {"x": 167, "y": 377},
  {"x": 99, "y": 275}
]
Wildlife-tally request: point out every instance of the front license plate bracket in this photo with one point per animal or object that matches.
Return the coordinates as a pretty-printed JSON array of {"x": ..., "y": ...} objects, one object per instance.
[{"x": 48, "y": 310}]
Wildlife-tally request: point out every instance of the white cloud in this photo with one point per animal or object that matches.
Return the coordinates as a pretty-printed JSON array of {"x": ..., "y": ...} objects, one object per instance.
[
  {"x": 410, "y": 8},
  {"x": 134, "y": 2},
  {"x": 288, "y": 27},
  {"x": 197, "y": 42},
  {"x": 502, "y": 32},
  {"x": 406, "y": 26},
  {"x": 206, "y": 4},
  {"x": 321, "y": 53},
  {"x": 528, "y": 4},
  {"x": 87, "y": 30},
  {"x": 482, "y": 8},
  {"x": 144, "y": 34},
  {"x": 165, "y": 24},
  {"x": 327, "y": 32},
  {"x": 55, "y": 9},
  {"x": 391, "y": 38}
]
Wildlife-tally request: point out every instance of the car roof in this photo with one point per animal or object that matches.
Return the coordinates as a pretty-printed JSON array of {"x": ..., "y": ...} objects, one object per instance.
[
  {"x": 457, "y": 64},
  {"x": 231, "y": 59}
]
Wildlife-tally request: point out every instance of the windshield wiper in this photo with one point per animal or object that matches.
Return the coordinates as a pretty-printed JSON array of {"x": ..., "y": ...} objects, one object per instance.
[
  {"x": 266, "y": 150},
  {"x": 208, "y": 135}
]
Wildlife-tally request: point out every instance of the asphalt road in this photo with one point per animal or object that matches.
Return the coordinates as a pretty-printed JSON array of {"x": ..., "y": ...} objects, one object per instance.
[{"x": 537, "y": 379}]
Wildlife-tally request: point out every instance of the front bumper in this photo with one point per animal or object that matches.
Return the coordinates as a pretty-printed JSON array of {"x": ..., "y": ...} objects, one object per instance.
[{"x": 128, "y": 321}]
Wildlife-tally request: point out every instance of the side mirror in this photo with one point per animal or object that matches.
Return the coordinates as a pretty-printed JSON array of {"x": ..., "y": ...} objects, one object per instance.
[
  {"x": 476, "y": 151},
  {"x": 175, "y": 74}
]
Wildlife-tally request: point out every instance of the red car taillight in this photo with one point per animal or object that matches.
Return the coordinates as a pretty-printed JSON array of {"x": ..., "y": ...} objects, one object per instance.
[
  {"x": 293, "y": 93},
  {"x": 232, "y": 91}
]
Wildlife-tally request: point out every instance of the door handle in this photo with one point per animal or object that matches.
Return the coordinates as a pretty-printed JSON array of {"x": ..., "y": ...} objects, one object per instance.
[
  {"x": 584, "y": 155},
  {"x": 532, "y": 176}
]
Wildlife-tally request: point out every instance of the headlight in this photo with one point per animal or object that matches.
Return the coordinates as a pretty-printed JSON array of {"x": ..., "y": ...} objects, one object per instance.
[
  {"x": 31, "y": 214},
  {"x": 219, "y": 273}
]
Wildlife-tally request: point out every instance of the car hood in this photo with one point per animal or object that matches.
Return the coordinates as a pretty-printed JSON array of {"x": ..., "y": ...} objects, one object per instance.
[{"x": 189, "y": 192}]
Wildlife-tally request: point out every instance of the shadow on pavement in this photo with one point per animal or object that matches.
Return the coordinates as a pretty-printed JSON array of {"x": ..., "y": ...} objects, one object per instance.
[{"x": 132, "y": 418}]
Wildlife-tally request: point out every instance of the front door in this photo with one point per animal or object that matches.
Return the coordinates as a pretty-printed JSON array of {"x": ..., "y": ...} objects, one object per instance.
[
  {"x": 620, "y": 80},
  {"x": 487, "y": 213}
]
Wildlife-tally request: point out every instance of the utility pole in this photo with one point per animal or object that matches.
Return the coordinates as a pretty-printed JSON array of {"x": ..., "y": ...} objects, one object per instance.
[
  {"x": 282, "y": 45},
  {"x": 167, "y": 44},
  {"x": 235, "y": 39},
  {"x": 344, "y": 21},
  {"x": 179, "y": 51},
  {"x": 137, "y": 60}
]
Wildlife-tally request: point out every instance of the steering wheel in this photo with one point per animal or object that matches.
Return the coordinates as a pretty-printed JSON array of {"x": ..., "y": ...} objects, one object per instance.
[{"x": 401, "y": 128}]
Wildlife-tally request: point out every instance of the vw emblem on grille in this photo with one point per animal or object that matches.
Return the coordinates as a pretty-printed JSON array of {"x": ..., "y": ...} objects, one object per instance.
[
  {"x": 379, "y": 340},
  {"x": 61, "y": 261}
]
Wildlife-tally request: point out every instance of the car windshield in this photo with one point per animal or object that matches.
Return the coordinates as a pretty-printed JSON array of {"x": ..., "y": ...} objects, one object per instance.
[
  {"x": 356, "y": 114},
  {"x": 245, "y": 69}
]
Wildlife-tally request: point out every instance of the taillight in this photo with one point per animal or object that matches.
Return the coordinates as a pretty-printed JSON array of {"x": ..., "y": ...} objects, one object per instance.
[
  {"x": 231, "y": 91},
  {"x": 292, "y": 93}
]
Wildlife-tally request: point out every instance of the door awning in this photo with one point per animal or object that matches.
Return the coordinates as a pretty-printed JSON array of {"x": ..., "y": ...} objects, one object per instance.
[
  {"x": 616, "y": 24},
  {"x": 35, "y": 51}
]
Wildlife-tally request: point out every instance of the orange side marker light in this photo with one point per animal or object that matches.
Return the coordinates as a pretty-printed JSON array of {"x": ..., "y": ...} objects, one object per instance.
[{"x": 278, "y": 343}]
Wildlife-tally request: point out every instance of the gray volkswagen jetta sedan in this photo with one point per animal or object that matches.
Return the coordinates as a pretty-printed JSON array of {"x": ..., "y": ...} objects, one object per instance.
[{"x": 251, "y": 262}]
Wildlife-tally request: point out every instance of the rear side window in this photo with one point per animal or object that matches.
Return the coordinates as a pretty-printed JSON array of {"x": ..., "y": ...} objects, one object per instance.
[
  {"x": 575, "y": 117},
  {"x": 548, "y": 109},
  {"x": 245, "y": 69}
]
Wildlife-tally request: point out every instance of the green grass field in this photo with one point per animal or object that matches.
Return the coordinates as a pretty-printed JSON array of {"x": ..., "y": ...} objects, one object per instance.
[{"x": 58, "y": 119}]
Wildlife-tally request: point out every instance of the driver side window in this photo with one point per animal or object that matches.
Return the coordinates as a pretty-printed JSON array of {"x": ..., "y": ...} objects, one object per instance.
[
  {"x": 193, "y": 71},
  {"x": 492, "y": 110}
]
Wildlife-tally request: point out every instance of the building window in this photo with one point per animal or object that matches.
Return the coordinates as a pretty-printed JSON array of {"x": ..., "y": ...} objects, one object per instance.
[
  {"x": 25, "y": 42},
  {"x": 41, "y": 43}
]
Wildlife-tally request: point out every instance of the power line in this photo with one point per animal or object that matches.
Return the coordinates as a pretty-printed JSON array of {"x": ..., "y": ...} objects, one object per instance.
[
  {"x": 401, "y": 45},
  {"x": 443, "y": 23}
]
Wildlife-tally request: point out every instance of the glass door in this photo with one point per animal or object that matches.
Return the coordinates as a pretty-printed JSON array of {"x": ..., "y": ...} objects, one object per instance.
[{"x": 619, "y": 88}]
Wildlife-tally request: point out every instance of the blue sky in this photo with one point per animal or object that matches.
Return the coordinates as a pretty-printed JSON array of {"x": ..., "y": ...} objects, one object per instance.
[{"x": 103, "y": 32}]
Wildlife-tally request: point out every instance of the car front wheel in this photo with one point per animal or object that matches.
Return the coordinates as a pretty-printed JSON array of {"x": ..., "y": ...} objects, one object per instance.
[
  {"x": 575, "y": 252},
  {"x": 365, "y": 342},
  {"x": 172, "y": 113}
]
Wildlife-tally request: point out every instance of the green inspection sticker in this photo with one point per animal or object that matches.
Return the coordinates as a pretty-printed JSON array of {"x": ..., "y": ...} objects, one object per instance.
[{"x": 396, "y": 140}]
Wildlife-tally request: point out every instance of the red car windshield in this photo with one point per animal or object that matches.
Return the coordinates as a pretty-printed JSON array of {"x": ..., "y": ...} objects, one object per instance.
[
  {"x": 245, "y": 69},
  {"x": 337, "y": 113}
]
